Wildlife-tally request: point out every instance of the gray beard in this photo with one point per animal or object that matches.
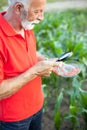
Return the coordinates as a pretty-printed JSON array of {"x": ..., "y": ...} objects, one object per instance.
[{"x": 29, "y": 25}]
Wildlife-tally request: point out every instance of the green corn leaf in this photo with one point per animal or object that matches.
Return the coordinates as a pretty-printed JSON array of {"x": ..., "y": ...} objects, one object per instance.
[
  {"x": 59, "y": 101},
  {"x": 57, "y": 117},
  {"x": 73, "y": 109},
  {"x": 84, "y": 110},
  {"x": 84, "y": 60},
  {"x": 78, "y": 47},
  {"x": 83, "y": 98},
  {"x": 57, "y": 120}
]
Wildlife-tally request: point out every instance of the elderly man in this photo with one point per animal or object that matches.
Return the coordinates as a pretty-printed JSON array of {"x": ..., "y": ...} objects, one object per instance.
[{"x": 21, "y": 67}]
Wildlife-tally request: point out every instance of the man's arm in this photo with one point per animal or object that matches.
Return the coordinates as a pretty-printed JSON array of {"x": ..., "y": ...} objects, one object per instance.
[{"x": 10, "y": 86}]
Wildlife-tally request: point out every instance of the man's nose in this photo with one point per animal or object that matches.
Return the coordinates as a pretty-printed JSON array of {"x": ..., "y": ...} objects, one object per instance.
[{"x": 40, "y": 17}]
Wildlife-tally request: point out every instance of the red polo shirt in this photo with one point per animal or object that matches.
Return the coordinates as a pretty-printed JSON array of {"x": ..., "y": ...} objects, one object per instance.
[{"x": 16, "y": 56}]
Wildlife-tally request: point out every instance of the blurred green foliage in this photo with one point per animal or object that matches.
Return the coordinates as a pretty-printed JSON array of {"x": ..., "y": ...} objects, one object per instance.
[
  {"x": 61, "y": 32},
  {"x": 58, "y": 33},
  {"x": 3, "y": 3}
]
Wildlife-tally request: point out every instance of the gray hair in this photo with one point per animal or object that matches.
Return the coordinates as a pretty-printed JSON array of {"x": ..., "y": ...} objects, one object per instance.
[{"x": 24, "y": 2}]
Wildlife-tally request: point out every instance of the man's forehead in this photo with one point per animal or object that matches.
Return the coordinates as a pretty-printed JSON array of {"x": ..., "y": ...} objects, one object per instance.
[
  {"x": 37, "y": 1},
  {"x": 36, "y": 4}
]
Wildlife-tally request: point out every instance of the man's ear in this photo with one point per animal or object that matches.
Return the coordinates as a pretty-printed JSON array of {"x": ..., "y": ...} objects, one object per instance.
[{"x": 18, "y": 7}]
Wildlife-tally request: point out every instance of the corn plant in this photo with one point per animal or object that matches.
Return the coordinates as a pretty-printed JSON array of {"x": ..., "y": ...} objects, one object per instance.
[
  {"x": 46, "y": 94},
  {"x": 58, "y": 119},
  {"x": 73, "y": 111},
  {"x": 83, "y": 103}
]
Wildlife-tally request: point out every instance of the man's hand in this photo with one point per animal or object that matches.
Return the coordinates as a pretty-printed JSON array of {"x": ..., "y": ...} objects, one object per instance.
[{"x": 44, "y": 68}]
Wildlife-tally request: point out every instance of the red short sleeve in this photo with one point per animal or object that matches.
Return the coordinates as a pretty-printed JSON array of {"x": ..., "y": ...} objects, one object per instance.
[
  {"x": 1, "y": 71},
  {"x": 2, "y": 54}
]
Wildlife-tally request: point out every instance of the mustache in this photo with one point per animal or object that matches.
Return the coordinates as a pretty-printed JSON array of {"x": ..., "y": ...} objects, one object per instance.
[
  {"x": 29, "y": 24},
  {"x": 35, "y": 22}
]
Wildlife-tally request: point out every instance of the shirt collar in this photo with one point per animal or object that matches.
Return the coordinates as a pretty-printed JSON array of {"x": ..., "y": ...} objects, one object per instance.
[{"x": 5, "y": 26}]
